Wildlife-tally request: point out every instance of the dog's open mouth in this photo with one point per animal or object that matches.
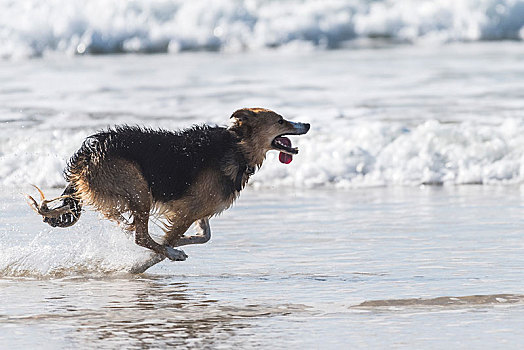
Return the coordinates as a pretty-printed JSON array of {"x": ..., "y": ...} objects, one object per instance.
[{"x": 283, "y": 144}]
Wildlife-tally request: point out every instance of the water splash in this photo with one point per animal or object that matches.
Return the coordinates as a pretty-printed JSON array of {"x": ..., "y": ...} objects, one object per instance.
[{"x": 91, "y": 248}]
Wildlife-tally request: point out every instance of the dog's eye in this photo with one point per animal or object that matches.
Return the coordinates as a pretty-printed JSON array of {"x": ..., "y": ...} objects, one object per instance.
[{"x": 281, "y": 121}]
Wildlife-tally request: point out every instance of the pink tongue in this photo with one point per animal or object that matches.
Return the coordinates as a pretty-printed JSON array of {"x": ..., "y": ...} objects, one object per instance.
[{"x": 284, "y": 157}]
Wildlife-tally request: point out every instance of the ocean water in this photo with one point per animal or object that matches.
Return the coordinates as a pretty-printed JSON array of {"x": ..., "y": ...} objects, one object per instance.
[
  {"x": 401, "y": 115},
  {"x": 398, "y": 224}
]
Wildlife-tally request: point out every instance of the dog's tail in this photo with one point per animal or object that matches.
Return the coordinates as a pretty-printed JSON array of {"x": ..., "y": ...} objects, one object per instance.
[{"x": 64, "y": 215}]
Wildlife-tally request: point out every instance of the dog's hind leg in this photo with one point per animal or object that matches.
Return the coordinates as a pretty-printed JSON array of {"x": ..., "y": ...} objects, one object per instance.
[{"x": 203, "y": 236}]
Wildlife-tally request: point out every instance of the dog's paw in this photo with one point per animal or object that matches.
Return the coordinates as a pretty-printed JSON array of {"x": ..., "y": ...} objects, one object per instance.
[{"x": 175, "y": 254}]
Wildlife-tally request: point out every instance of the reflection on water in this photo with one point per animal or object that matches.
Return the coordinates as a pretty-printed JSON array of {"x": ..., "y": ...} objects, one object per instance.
[{"x": 134, "y": 312}]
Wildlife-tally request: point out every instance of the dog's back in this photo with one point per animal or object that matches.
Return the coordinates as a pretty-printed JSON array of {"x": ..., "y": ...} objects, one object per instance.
[{"x": 169, "y": 161}]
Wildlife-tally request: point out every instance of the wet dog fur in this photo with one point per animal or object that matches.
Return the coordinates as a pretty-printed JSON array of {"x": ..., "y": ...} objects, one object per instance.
[{"x": 184, "y": 177}]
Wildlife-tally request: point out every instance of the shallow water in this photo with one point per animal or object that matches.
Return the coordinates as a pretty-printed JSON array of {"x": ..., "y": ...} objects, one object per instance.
[{"x": 401, "y": 267}]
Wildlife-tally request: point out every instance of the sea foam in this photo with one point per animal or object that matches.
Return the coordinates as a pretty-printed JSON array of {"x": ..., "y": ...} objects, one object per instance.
[
  {"x": 33, "y": 28},
  {"x": 385, "y": 154},
  {"x": 358, "y": 154}
]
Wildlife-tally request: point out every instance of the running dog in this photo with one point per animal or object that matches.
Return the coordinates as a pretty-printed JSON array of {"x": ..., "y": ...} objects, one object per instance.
[{"x": 184, "y": 177}]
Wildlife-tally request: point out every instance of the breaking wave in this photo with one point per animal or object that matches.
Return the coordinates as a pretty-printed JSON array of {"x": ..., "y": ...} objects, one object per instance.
[
  {"x": 387, "y": 153},
  {"x": 32, "y": 28}
]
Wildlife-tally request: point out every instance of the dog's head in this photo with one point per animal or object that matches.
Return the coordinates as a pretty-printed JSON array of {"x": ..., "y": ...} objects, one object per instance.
[{"x": 262, "y": 130}]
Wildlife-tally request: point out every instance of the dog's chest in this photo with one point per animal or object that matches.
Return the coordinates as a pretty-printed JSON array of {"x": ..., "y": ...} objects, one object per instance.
[{"x": 212, "y": 193}]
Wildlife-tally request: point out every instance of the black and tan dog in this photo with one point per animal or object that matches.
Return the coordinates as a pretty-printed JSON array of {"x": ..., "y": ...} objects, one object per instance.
[{"x": 184, "y": 177}]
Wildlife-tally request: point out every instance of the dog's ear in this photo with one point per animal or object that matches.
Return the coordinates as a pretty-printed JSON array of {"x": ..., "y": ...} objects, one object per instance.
[
  {"x": 239, "y": 122},
  {"x": 242, "y": 115}
]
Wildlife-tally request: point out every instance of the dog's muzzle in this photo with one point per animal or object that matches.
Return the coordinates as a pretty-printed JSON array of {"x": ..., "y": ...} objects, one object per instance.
[
  {"x": 283, "y": 144},
  {"x": 300, "y": 128}
]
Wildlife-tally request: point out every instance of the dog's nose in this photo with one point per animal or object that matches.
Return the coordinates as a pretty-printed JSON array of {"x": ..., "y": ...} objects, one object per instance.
[{"x": 307, "y": 126}]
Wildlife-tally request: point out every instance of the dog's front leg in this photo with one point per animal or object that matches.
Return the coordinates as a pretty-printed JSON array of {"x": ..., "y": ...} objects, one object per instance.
[
  {"x": 141, "y": 267},
  {"x": 158, "y": 251},
  {"x": 203, "y": 236},
  {"x": 142, "y": 238}
]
